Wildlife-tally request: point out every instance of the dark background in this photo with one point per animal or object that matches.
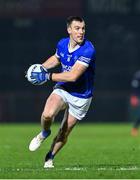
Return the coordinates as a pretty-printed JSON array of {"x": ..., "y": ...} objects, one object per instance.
[{"x": 29, "y": 32}]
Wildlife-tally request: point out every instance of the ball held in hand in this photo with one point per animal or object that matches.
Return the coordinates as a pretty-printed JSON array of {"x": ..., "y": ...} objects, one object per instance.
[{"x": 37, "y": 74}]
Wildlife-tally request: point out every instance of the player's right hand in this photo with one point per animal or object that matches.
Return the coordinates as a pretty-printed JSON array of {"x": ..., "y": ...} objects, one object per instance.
[
  {"x": 39, "y": 78},
  {"x": 37, "y": 74}
]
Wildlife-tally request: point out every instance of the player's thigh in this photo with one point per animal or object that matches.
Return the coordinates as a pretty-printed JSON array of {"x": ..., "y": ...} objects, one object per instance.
[{"x": 53, "y": 105}]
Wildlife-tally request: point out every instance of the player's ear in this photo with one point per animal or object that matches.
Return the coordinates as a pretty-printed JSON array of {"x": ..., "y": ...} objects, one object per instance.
[{"x": 69, "y": 29}]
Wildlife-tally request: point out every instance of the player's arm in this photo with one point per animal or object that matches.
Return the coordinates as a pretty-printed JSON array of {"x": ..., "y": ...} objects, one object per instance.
[
  {"x": 71, "y": 76},
  {"x": 51, "y": 62}
]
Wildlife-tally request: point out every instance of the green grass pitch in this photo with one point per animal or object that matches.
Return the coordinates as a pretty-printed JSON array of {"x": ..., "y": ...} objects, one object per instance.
[{"x": 94, "y": 151}]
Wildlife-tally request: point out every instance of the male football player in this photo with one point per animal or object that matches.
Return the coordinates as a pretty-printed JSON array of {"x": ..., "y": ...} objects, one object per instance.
[
  {"x": 135, "y": 103},
  {"x": 74, "y": 87}
]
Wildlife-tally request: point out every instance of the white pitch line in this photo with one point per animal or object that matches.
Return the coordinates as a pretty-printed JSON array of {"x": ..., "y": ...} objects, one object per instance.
[
  {"x": 127, "y": 168},
  {"x": 131, "y": 168},
  {"x": 75, "y": 169}
]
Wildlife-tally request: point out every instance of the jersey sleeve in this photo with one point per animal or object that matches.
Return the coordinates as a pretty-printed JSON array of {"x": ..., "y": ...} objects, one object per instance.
[
  {"x": 58, "y": 48},
  {"x": 87, "y": 56}
]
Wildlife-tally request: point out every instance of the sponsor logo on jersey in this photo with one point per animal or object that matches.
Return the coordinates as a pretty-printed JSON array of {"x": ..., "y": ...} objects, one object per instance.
[{"x": 66, "y": 68}]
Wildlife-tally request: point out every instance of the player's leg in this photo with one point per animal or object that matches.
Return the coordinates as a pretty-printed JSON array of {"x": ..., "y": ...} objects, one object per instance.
[
  {"x": 53, "y": 105},
  {"x": 134, "y": 130},
  {"x": 77, "y": 109},
  {"x": 61, "y": 138},
  {"x": 137, "y": 123}
]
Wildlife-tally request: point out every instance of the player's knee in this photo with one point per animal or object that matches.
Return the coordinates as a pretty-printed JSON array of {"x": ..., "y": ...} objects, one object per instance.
[{"x": 47, "y": 116}]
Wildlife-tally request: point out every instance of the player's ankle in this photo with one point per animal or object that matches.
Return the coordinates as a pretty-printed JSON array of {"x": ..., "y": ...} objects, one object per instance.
[
  {"x": 49, "y": 155},
  {"x": 45, "y": 133}
]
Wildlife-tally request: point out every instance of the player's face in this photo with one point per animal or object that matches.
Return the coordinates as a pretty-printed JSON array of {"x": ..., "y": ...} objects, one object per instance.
[{"x": 77, "y": 31}]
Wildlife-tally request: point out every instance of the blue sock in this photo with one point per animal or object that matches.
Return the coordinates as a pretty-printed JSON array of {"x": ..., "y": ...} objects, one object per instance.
[
  {"x": 49, "y": 155},
  {"x": 45, "y": 133}
]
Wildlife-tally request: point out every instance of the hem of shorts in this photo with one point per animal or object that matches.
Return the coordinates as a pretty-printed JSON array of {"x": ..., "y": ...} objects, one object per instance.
[{"x": 75, "y": 116}]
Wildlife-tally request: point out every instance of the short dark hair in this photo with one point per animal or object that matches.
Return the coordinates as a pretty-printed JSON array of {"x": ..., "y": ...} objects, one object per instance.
[{"x": 70, "y": 19}]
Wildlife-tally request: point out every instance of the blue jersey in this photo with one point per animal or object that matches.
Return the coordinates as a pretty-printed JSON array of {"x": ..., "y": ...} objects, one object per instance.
[{"x": 85, "y": 54}]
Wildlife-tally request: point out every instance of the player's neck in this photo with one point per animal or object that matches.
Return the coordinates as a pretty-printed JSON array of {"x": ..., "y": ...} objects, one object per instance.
[{"x": 73, "y": 46}]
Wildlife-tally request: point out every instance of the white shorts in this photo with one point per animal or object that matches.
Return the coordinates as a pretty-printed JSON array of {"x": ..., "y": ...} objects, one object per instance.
[{"x": 78, "y": 107}]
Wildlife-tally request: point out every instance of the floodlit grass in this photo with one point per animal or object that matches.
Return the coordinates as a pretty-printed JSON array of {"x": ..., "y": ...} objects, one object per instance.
[{"x": 94, "y": 151}]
